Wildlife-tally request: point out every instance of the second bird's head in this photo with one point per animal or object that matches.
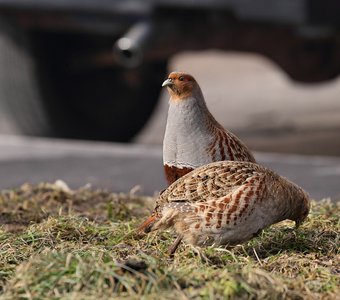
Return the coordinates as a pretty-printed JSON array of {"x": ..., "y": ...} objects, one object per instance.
[{"x": 180, "y": 85}]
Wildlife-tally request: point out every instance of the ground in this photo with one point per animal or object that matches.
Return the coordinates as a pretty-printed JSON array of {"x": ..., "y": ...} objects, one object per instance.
[{"x": 81, "y": 244}]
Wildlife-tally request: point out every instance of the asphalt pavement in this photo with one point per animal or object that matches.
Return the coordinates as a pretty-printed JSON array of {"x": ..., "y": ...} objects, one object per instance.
[{"x": 122, "y": 167}]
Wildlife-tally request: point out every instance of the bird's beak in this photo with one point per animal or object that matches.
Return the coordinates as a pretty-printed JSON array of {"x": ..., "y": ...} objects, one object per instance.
[{"x": 167, "y": 82}]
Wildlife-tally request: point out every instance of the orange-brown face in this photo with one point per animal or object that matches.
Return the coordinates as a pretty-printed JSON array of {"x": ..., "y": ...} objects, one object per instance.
[{"x": 179, "y": 85}]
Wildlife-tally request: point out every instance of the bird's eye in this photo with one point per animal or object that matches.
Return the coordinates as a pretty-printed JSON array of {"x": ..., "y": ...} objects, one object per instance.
[{"x": 181, "y": 78}]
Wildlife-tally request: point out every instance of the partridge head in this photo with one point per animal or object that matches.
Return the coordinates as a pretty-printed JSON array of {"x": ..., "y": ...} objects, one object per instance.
[
  {"x": 193, "y": 137},
  {"x": 227, "y": 203}
]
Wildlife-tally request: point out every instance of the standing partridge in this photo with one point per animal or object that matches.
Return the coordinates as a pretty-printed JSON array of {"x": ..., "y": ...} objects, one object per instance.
[
  {"x": 226, "y": 203},
  {"x": 193, "y": 137}
]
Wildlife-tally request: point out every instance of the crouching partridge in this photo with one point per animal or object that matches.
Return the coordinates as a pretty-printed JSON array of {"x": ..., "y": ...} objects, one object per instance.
[
  {"x": 193, "y": 137},
  {"x": 226, "y": 203}
]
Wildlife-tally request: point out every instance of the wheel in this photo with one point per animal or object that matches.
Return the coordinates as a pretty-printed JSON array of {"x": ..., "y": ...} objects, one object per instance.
[
  {"x": 45, "y": 95},
  {"x": 21, "y": 106},
  {"x": 87, "y": 101}
]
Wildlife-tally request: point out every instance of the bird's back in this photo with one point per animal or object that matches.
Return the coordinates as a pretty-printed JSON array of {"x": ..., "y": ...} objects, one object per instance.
[{"x": 226, "y": 203}]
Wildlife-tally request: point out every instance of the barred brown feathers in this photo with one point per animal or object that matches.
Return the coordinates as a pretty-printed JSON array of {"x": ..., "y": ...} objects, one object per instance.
[{"x": 228, "y": 202}]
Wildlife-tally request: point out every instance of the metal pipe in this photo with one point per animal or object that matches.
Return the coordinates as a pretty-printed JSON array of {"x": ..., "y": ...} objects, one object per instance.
[{"x": 130, "y": 48}]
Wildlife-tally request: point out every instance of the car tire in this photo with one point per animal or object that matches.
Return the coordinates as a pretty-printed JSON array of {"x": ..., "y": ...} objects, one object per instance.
[
  {"x": 43, "y": 95},
  {"x": 21, "y": 105}
]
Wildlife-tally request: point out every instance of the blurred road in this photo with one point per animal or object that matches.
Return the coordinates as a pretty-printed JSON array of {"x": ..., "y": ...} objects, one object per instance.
[
  {"x": 251, "y": 96},
  {"x": 120, "y": 167}
]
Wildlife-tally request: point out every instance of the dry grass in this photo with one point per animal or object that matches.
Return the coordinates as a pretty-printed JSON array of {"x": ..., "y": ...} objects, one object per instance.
[{"x": 57, "y": 243}]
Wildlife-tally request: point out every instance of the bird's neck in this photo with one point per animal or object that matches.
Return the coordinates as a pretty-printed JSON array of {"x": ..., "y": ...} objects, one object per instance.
[
  {"x": 190, "y": 113},
  {"x": 289, "y": 197},
  {"x": 187, "y": 113},
  {"x": 188, "y": 132}
]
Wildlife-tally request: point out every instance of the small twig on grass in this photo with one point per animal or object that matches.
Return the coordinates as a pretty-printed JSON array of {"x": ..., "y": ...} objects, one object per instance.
[{"x": 257, "y": 257}]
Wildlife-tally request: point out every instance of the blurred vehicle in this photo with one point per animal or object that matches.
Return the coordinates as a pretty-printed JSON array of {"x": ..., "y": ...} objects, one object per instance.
[{"x": 92, "y": 69}]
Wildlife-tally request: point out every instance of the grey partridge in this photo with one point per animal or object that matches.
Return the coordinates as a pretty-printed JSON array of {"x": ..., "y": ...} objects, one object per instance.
[
  {"x": 193, "y": 137},
  {"x": 226, "y": 203}
]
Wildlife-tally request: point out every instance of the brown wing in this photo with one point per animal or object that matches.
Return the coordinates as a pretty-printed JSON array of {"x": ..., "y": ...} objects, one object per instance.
[
  {"x": 230, "y": 209},
  {"x": 212, "y": 181}
]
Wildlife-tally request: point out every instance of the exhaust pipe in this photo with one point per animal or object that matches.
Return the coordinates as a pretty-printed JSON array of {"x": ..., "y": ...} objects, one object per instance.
[{"x": 130, "y": 48}]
